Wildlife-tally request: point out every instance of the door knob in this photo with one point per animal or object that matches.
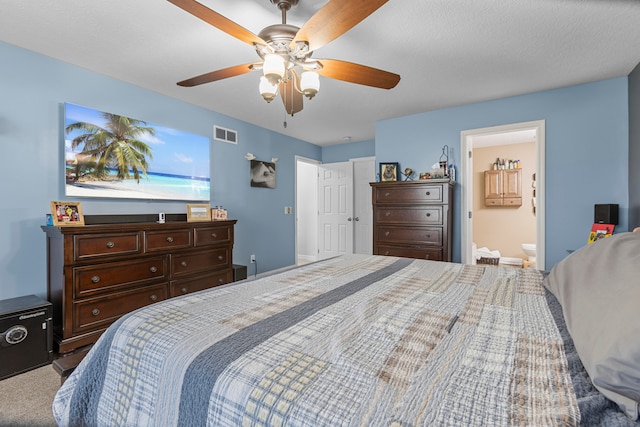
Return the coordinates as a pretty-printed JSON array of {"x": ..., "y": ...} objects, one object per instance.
[
  {"x": 349, "y": 219},
  {"x": 356, "y": 219}
]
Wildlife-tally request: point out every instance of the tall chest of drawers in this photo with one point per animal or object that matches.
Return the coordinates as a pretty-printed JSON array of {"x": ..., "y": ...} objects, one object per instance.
[
  {"x": 413, "y": 219},
  {"x": 98, "y": 273}
]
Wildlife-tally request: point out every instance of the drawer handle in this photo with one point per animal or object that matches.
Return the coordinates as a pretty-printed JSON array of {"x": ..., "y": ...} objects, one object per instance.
[
  {"x": 386, "y": 233},
  {"x": 386, "y": 253},
  {"x": 220, "y": 257},
  {"x": 110, "y": 245},
  {"x": 214, "y": 235},
  {"x": 95, "y": 279},
  {"x": 170, "y": 239},
  {"x": 95, "y": 311},
  {"x": 183, "y": 263},
  {"x": 386, "y": 194},
  {"x": 428, "y": 193},
  {"x": 428, "y": 236},
  {"x": 221, "y": 280},
  {"x": 387, "y": 214},
  {"x": 153, "y": 269},
  {"x": 183, "y": 290},
  {"x": 428, "y": 214},
  {"x": 153, "y": 297}
]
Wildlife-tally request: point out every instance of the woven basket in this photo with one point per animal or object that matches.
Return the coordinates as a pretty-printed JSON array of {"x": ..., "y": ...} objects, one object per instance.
[{"x": 489, "y": 260}]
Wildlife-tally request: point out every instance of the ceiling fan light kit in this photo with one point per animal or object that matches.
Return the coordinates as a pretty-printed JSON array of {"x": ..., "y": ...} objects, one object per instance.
[
  {"x": 285, "y": 50},
  {"x": 267, "y": 89}
]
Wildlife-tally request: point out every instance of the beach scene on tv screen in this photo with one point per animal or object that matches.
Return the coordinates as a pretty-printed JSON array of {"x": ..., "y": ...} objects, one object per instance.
[{"x": 109, "y": 155}]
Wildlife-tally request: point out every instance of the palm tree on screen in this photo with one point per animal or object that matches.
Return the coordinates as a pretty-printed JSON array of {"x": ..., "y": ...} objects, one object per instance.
[{"x": 116, "y": 146}]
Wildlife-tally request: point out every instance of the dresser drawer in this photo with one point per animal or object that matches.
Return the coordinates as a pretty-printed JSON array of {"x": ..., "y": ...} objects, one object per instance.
[
  {"x": 417, "y": 216},
  {"x": 433, "y": 254},
  {"x": 169, "y": 239},
  {"x": 212, "y": 235},
  {"x": 193, "y": 262},
  {"x": 109, "y": 277},
  {"x": 186, "y": 286},
  {"x": 96, "y": 313},
  {"x": 410, "y": 193},
  {"x": 91, "y": 246},
  {"x": 424, "y": 235}
]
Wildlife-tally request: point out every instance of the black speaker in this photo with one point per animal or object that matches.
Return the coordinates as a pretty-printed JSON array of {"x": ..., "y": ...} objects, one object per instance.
[{"x": 605, "y": 214}]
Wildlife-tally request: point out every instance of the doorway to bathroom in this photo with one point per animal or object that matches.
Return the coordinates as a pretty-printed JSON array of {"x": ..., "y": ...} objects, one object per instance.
[{"x": 513, "y": 225}]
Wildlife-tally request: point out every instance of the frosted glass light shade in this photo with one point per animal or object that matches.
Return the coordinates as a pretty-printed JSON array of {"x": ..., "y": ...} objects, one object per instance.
[
  {"x": 310, "y": 83},
  {"x": 267, "y": 90},
  {"x": 273, "y": 68}
]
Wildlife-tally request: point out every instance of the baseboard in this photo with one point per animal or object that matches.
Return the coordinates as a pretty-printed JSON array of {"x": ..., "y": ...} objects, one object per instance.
[{"x": 307, "y": 258}]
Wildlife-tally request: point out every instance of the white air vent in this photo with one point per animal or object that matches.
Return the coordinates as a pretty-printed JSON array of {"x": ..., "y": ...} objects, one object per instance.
[{"x": 226, "y": 135}]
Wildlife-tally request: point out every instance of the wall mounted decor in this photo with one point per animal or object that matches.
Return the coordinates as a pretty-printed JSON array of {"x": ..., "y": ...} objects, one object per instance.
[
  {"x": 263, "y": 174},
  {"x": 108, "y": 155}
]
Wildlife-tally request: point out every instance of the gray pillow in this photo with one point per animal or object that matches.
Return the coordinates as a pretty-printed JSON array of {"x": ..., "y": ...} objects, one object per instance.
[{"x": 599, "y": 289}]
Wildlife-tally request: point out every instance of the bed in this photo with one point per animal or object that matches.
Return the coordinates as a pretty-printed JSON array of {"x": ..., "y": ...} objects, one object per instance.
[{"x": 371, "y": 341}]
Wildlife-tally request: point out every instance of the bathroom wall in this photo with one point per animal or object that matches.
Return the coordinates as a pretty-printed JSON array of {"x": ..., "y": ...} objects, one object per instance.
[{"x": 504, "y": 228}]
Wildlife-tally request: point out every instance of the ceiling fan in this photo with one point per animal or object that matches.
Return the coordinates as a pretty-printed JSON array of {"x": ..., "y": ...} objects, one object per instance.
[{"x": 285, "y": 51}]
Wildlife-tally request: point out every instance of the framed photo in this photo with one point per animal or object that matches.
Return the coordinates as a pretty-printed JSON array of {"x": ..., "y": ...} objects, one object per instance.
[
  {"x": 263, "y": 174},
  {"x": 198, "y": 212},
  {"x": 388, "y": 172},
  {"x": 67, "y": 214}
]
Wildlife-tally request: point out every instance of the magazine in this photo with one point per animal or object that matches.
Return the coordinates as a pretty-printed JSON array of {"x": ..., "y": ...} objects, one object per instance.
[{"x": 600, "y": 231}]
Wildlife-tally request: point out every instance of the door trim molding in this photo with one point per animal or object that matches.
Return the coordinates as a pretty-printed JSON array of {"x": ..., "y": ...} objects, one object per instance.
[
  {"x": 298, "y": 158},
  {"x": 466, "y": 146}
]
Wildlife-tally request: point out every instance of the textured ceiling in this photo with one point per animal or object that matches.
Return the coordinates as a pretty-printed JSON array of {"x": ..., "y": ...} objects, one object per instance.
[{"x": 448, "y": 53}]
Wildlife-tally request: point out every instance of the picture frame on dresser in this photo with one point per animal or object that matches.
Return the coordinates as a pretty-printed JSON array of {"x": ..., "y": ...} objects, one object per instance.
[
  {"x": 67, "y": 213},
  {"x": 388, "y": 171},
  {"x": 198, "y": 212}
]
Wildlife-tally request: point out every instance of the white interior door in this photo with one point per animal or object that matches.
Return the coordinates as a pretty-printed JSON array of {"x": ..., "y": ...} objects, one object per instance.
[
  {"x": 335, "y": 209},
  {"x": 364, "y": 172},
  {"x": 306, "y": 210}
]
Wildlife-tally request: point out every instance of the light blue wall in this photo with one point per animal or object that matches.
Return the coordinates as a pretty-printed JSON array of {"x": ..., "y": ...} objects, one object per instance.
[
  {"x": 587, "y": 148},
  {"x": 32, "y": 90},
  {"x": 587, "y": 159},
  {"x": 344, "y": 152}
]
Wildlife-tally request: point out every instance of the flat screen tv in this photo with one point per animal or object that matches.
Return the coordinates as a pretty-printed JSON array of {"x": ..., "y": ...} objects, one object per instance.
[{"x": 108, "y": 155}]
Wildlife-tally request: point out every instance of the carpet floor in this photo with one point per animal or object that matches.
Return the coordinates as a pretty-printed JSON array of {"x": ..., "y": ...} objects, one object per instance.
[{"x": 25, "y": 399}]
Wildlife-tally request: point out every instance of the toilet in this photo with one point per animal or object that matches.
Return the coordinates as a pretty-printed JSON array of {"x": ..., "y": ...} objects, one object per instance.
[{"x": 530, "y": 250}]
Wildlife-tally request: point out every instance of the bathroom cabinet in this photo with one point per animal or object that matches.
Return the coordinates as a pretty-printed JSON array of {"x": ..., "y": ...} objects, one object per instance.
[{"x": 503, "y": 187}]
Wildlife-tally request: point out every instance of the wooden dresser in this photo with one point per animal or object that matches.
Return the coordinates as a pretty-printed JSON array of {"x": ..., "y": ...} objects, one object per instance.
[
  {"x": 97, "y": 273},
  {"x": 413, "y": 219}
]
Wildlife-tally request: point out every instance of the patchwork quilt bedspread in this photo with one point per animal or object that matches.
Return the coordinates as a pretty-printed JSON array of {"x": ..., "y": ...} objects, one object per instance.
[{"x": 351, "y": 341}]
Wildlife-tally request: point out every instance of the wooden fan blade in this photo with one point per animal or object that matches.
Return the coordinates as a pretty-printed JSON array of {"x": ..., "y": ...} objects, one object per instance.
[
  {"x": 220, "y": 22},
  {"x": 213, "y": 76},
  {"x": 291, "y": 98},
  {"x": 356, "y": 73},
  {"x": 334, "y": 19}
]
